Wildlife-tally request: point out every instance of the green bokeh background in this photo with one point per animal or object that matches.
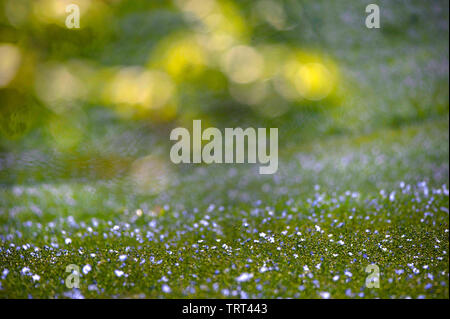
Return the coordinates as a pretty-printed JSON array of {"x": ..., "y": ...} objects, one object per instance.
[{"x": 56, "y": 105}]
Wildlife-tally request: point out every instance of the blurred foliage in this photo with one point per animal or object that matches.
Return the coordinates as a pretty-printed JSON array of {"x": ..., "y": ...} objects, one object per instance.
[{"x": 135, "y": 69}]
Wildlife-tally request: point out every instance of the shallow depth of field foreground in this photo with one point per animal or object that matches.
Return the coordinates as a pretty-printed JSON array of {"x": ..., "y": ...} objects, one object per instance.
[{"x": 92, "y": 207}]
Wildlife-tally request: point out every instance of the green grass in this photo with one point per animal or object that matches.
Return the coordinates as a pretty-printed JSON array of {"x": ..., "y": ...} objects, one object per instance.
[
  {"x": 179, "y": 240},
  {"x": 369, "y": 166}
]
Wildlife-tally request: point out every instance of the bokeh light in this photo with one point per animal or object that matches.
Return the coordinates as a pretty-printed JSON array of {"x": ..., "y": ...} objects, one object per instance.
[
  {"x": 243, "y": 64},
  {"x": 58, "y": 86},
  {"x": 180, "y": 55},
  {"x": 310, "y": 75},
  {"x": 10, "y": 58},
  {"x": 313, "y": 81},
  {"x": 137, "y": 90}
]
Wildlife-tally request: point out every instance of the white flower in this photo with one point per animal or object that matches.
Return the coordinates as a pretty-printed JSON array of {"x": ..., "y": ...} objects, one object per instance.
[
  {"x": 317, "y": 228},
  {"x": 36, "y": 277},
  {"x": 263, "y": 235},
  {"x": 123, "y": 257},
  {"x": 165, "y": 288},
  {"x": 392, "y": 197},
  {"x": 244, "y": 277},
  {"x": 68, "y": 241},
  {"x": 263, "y": 269},
  {"x": 119, "y": 273},
  {"x": 325, "y": 295},
  {"x": 25, "y": 270},
  {"x": 336, "y": 278},
  {"x": 87, "y": 269}
]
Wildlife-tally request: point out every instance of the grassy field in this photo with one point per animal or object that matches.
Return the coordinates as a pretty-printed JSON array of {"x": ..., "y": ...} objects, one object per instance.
[
  {"x": 86, "y": 180},
  {"x": 226, "y": 232}
]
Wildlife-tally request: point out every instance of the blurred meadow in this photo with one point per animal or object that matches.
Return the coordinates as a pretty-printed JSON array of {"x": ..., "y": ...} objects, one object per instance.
[{"x": 85, "y": 118}]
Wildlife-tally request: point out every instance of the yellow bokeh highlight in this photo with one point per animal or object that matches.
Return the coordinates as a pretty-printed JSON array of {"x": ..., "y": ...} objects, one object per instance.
[
  {"x": 215, "y": 42},
  {"x": 185, "y": 57},
  {"x": 181, "y": 56},
  {"x": 10, "y": 59},
  {"x": 313, "y": 81},
  {"x": 243, "y": 64},
  {"x": 307, "y": 76},
  {"x": 135, "y": 90},
  {"x": 58, "y": 86}
]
